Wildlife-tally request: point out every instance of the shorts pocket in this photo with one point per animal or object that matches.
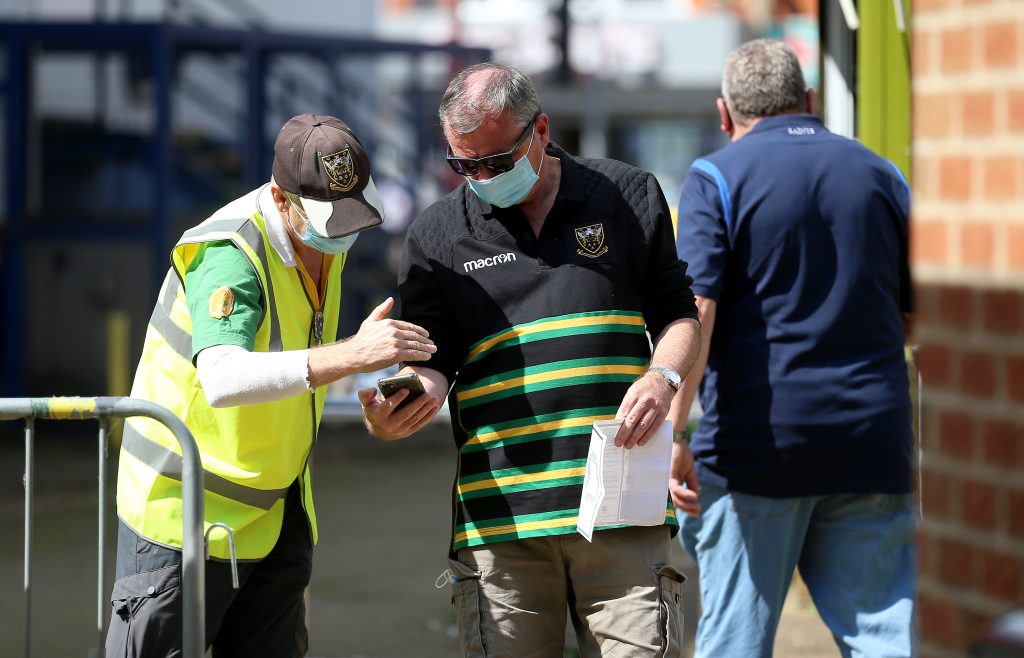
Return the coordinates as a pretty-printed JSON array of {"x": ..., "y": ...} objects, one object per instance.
[
  {"x": 670, "y": 591},
  {"x": 465, "y": 588},
  {"x": 146, "y": 613}
]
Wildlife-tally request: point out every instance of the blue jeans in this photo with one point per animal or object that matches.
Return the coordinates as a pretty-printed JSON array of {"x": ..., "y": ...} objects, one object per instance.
[{"x": 855, "y": 553}]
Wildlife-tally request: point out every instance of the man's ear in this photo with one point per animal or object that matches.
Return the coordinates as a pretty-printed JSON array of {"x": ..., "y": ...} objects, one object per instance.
[
  {"x": 810, "y": 100},
  {"x": 280, "y": 198},
  {"x": 543, "y": 129},
  {"x": 723, "y": 113}
]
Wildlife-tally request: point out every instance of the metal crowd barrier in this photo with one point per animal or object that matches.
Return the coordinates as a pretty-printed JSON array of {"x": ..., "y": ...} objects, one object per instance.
[{"x": 104, "y": 408}]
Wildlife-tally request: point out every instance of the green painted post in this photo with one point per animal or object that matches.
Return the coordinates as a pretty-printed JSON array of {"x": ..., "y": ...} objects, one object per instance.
[{"x": 883, "y": 82}]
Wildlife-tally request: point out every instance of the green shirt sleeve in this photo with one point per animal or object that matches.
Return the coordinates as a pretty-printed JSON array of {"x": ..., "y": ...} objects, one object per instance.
[{"x": 220, "y": 264}]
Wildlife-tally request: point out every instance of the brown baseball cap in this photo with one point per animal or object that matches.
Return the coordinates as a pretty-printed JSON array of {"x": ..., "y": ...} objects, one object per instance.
[{"x": 322, "y": 161}]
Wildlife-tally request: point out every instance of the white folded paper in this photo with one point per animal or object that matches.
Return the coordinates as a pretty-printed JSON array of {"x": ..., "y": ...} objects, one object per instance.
[{"x": 624, "y": 487}]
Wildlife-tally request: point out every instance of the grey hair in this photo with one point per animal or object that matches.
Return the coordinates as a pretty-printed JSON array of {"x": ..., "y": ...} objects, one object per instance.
[
  {"x": 762, "y": 78},
  {"x": 471, "y": 99}
]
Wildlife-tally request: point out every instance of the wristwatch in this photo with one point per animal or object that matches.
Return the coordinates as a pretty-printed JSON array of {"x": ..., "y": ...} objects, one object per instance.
[{"x": 670, "y": 375}]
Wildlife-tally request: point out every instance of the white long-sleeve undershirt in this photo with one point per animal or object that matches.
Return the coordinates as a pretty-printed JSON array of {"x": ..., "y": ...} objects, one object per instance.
[{"x": 231, "y": 375}]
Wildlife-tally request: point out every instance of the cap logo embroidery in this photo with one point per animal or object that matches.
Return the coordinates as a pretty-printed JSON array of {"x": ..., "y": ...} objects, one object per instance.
[
  {"x": 222, "y": 302},
  {"x": 591, "y": 238},
  {"x": 340, "y": 170}
]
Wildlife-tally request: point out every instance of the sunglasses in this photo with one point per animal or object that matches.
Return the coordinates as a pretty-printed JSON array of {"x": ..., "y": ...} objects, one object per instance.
[{"x": 498, "y": 163}]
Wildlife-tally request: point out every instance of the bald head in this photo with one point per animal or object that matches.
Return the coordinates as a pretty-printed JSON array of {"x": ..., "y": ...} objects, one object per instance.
[{"x": 484, "y": 91}]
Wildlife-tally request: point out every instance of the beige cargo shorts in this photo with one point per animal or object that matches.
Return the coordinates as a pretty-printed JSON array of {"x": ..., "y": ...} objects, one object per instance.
[{"x": 620, "y": 592}]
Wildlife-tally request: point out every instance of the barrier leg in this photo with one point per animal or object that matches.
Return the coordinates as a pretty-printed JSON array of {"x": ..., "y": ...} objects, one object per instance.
[
  {"x": 29, "y": 474},
  {"x": 101, "y": 569}
]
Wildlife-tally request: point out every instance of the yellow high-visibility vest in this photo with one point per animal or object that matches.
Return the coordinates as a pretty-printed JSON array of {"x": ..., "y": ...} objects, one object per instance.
[{"x": 251, "y": 454}]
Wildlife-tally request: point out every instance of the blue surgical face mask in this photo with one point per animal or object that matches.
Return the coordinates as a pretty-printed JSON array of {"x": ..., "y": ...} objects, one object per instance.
[
  {"x": 511, "y": 187},
  {"x": 322, "y": 243}
]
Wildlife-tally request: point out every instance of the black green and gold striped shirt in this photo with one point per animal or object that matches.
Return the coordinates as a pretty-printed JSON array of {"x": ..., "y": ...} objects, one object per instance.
[{"x": 541, "y": 335}]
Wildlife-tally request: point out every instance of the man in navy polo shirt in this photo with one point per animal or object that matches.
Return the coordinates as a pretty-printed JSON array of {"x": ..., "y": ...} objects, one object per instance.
[{"x": 797, "y": 243}]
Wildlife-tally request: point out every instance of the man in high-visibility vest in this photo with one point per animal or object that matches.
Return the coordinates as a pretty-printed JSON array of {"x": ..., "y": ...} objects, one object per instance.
[{"x": 240, "y": 346}]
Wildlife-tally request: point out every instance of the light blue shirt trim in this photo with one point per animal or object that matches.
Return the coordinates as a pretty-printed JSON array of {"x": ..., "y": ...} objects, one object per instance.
[
  {"x": 723, "y": 190},
  {"x": 899, "y": 173}
]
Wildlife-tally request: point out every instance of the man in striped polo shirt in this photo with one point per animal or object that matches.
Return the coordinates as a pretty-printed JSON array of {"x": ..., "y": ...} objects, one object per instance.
[{"x": 538, "y": 281}]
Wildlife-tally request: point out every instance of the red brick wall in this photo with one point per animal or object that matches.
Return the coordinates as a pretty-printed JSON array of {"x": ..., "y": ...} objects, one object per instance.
[
  {"x": 968, "y": 259},
  {"x": 971, "y": 543}
]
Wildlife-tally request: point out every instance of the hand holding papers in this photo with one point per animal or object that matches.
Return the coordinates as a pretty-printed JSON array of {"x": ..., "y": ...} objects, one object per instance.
[{"x": 624, "y": 487}]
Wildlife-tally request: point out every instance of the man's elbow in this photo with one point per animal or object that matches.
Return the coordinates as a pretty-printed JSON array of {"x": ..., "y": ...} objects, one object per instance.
[{"x": 216, "y": 400}]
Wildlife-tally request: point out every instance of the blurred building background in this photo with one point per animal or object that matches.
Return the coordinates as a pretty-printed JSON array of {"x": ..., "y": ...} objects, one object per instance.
[
  {"x": 123, "y": 122},
  {"x": 127, "y": 121}
]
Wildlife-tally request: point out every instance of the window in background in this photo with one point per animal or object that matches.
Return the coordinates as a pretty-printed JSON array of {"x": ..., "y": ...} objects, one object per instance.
[{"x": 666, "y": 148}]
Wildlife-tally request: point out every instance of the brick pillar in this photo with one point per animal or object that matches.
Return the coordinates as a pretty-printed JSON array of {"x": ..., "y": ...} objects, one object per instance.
[{"x": 968, "y": 259}]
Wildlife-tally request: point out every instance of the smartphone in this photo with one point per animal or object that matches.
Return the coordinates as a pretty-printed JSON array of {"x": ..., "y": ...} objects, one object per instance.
[{"x": 390, "y": 385}]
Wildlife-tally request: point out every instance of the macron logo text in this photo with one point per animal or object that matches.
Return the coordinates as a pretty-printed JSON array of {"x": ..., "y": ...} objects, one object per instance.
[{"x": 471, "y": 265}]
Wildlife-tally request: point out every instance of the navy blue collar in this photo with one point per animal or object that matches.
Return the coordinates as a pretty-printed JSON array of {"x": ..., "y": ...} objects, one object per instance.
[{"x": 779, "y": 120}]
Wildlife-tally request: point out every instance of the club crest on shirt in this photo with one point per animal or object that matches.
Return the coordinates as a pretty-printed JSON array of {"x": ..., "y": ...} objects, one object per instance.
[
  {"x": 222, "y": 302},
  {"x": 591, "y": 238},
  {"x": 340, "y": 170}
]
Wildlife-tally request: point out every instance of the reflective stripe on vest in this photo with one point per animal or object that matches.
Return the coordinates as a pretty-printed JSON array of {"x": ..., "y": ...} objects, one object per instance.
[
  {"x": 178, "y": 339},
  {"x": 169, "y": 464}
]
